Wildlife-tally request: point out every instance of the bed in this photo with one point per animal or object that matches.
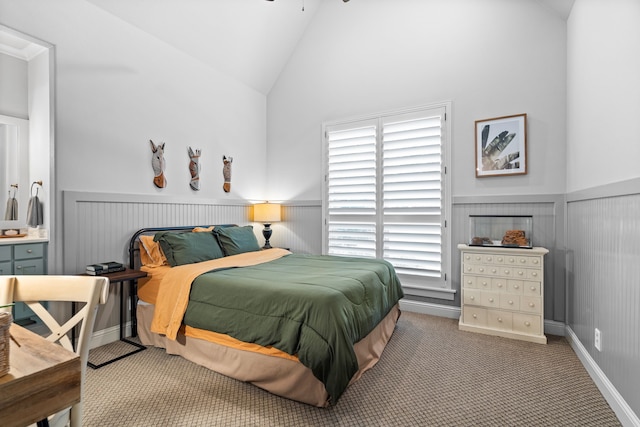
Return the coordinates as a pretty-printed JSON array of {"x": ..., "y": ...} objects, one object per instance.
[{"x": 303, "y": 327}]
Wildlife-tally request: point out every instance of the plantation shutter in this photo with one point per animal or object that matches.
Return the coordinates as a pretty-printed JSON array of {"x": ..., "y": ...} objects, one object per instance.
[
  {"x": 412, "y": 193},
  {"x": 351, "y": 183},
  {"x": 384, "y": 194}
]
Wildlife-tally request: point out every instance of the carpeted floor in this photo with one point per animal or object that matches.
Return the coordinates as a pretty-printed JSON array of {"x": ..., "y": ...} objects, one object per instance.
[{"x": 430, "y": 374}]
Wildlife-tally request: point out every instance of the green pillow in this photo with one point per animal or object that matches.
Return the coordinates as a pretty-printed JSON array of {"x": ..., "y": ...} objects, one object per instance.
[
  {"x": 237, "y": 240},
  {"x": 188, "y": 248}
]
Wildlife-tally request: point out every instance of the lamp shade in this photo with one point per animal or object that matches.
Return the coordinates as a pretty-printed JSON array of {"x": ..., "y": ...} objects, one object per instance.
[{"x": 266, "y": 212}]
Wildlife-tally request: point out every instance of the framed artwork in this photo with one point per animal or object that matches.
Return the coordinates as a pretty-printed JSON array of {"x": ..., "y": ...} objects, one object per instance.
[{"x": 501, "y": 146}]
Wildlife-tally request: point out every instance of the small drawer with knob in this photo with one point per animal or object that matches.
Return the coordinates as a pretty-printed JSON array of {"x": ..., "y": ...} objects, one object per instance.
[
  {"x": 531, "y": 304},
  {"x": 531, "y": 288},
  {"x": 510, "y": 302},
  {"x": 490, "y": 299},
  {"x": 28, "y": 266},
  {"x": 475, "y": 316},
  {"x": 471, "y": 296},
  {"x": 515, "y": 286},
  {"x": 500, "y": 319},
  {"x": 534, "y": 274},
  {"x": 499, "y": 284},
  {"x": 28, "y": 251},
  {"x": 526, "y": 323},
  {"x": 469, "y": 281},
  {"x": 483, "y": 283}
]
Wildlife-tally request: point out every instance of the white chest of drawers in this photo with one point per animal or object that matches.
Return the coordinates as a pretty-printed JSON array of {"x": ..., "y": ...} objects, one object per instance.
[{"x": 503, "y": 292}]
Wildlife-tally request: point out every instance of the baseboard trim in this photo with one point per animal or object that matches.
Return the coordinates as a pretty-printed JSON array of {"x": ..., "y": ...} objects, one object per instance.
[
  {"x": 108, "y": 335},
  {"x": 622, "y": 410},
  {"x": 553, "y": 327},
  {"x": 430, "y": 308}
]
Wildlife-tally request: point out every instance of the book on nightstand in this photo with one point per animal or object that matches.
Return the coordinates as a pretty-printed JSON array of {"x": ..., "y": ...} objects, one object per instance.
[{"x": 104, "y": 268}]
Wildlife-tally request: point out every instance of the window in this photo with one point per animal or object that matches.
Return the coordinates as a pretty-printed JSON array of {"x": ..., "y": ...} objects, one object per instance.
[{"x": 386, "y": 194}]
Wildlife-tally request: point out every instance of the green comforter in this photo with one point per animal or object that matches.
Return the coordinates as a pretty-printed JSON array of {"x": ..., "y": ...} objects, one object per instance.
[{"x": 315, "y": 307}]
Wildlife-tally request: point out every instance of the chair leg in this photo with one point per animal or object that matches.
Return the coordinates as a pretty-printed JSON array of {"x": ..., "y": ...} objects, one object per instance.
[{"x": 75, "y": 417}]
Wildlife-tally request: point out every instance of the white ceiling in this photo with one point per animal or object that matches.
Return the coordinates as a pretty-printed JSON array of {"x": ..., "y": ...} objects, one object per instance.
[
  {"x": 250, "y": 40},
  {"x": 562, "y": 7}
]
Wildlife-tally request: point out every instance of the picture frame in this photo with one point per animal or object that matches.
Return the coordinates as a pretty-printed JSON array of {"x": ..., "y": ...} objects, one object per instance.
[{"x": 501, "y": 146}]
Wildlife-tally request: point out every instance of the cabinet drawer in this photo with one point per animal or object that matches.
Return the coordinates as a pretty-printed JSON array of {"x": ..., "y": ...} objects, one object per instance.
[
  {"x": 490, "y": 299},
  {"x": 514, "y": 286},
  {"x": 29, "y": 251},
  {"x": 531, "y": 288},
  {"x": 5, "y": 253},
  {"x": 475, "y": 316},
  {"x": 29, "y": 267},
  {"x": 500, "y": 319},
  {"x": 483, "y": 283},
  {"x": 510, "y": 301},
  {"x": 499, "y": 284},
  {"x": 5, "y": 268},
  {"x": 529, "y": 324},
  {"x": 469, "y": 281},
  {"x": 471, "y": 296},
  {"x": 530, "y": 304}
]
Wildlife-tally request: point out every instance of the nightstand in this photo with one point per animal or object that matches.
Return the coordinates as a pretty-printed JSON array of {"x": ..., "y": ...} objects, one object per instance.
[{"x": 119, "y": 278}]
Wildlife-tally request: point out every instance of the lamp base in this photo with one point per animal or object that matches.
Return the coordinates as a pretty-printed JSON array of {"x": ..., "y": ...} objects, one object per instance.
[{"x": 266, "y": 232}]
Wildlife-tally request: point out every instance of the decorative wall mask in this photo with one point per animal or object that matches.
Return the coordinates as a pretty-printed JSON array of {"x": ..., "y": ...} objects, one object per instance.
[
  {"x": 194, "y": 169},
  {"x": 157, "y": 162},
  {"x": 226, "y": 172}
]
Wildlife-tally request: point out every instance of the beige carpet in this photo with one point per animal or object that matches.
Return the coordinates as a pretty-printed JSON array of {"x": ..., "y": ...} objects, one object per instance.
[{"x": 430, "y": 374}]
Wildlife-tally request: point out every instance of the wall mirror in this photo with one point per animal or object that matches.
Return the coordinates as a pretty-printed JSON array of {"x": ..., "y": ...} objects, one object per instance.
[
  {"x": 14, "y": 149},
  {"x": 26, "y": 126}
]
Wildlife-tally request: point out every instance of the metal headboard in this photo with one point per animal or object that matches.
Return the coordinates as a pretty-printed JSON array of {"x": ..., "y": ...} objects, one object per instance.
[{"x": 134, "y": 246}]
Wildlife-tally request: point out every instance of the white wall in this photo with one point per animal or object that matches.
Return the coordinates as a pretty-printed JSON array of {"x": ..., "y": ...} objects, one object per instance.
[
  {"x": 117, "y": 87},
  {"x": 603, "y": 90},
  {"x": 40, "y": 138},
  {"x": 491, "y": 58}
]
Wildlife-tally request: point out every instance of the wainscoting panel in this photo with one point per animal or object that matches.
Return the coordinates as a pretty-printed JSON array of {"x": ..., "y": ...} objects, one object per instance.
[
  {"x": 98, "y": 226},
  {"x": 300, "y": 229},
  {"x": 548, "y": 225},
  {"x": 603, "y": 280}
]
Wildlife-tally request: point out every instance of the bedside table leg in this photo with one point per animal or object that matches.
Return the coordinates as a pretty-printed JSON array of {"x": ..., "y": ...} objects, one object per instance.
[{"x": 132, "y": 300}]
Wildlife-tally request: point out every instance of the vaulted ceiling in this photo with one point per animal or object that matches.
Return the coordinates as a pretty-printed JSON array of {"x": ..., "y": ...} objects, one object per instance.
[{"x": 250, "y": 40}]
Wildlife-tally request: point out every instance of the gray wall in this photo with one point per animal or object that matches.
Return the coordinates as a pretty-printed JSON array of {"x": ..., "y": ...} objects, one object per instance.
[
  {"x": 603, "y": 182},
  {"x": 603, "y": 280}
]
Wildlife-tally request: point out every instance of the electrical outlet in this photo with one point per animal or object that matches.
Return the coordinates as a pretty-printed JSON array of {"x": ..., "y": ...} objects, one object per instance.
[{"x": 597, "y": 340}]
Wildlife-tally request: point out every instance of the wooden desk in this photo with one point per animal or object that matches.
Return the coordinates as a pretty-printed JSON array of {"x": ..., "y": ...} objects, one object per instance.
[{"x": 44, "y": 378}]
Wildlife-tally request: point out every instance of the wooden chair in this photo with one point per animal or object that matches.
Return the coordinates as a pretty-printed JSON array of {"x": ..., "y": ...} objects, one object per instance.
[{"x": 87, "y": 292}]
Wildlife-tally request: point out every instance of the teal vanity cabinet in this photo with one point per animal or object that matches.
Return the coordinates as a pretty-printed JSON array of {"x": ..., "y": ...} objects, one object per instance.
[{"x": 26, "y": 258}]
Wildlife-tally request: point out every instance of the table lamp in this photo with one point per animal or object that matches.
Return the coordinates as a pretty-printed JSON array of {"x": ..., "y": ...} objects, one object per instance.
[{"x": 266, "y": 213}]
